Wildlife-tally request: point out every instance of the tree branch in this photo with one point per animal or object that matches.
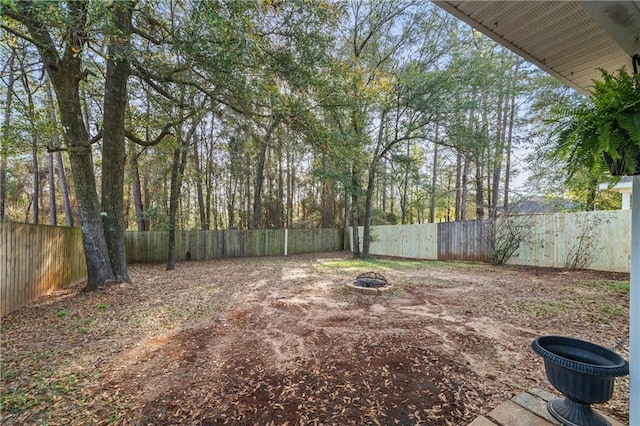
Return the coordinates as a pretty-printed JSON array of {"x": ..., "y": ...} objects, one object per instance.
[
  {"x": 145, "y": 35},
  {"x": 96, "y": 138},
  {"x": 133, "y": 138},
  {"x": 56, "y": 148},
  {"x": 18, "y": 34},
  {"x": 143, "y": 74},
  {"x": 39, "y": 36}
]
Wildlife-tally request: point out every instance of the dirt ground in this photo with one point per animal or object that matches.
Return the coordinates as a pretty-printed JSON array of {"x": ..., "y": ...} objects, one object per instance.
[{"x": 281, "y": 341}]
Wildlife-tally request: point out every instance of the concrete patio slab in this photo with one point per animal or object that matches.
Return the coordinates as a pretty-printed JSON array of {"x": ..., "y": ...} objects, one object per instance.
[{"x": 525, "y": 409}]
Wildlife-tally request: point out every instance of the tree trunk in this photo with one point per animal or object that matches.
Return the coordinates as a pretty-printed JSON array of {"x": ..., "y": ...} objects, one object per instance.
[
  {"x": 177, "y": 173},
  {"x": 465, "y": 189},
  {"x": 366, "y": 234},
  {"x": 204, "y": 223},
  {"x": 328, "y": 205},
  {"x": 280, "y": 202},
  {"x": 179, "y": 155},
  {"x": 479, "y": 192},
  {"x": 64, "y": 188},
  {"x": 136, "y": 189},
  {"x": 355, "y": 232},
  {"x": 404, "y": 201},
  {"x": 62, "y": 176},
  {"x": 290, "y": 187},
  {"x": 232, "y": 187},
  {"x": 345, "y": 232},
  {"x": 592, "y": 192},
  {"x": 434, "y": 181},
  {"x": 512, "y": 108},
  {"x": 257, "y": 190},
  {"x": 113, "y": 139},
  {"x": 385, "y": 184},
  {"x": 5, "y": 134},
  {"x": 35, "y": 179},
  {"x": 458, "y": 207},
  {"x": 53, "y": 211},
  {"x": 247, "y": 212},
  {"x": 212, "y": 181},
  {"x": 498, "y": 155}
]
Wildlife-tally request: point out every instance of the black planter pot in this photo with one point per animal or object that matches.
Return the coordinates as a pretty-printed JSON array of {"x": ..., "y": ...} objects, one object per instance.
[{"x": 582, "y": 371}]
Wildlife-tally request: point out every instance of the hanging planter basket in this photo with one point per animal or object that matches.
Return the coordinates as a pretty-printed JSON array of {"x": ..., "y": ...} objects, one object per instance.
[
  {"x": 627, "y": 165},
  {"x": 606, "y": 126}
]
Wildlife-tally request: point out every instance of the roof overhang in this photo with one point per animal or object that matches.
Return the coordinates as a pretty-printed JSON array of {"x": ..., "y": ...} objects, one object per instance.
[
  {"x": 568, "y": 39},
  {"x": 624, "y": 186}
]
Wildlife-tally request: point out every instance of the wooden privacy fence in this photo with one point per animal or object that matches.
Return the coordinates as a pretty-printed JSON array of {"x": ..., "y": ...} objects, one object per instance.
[
  {"x": 469, "y": 240},
  {"x": 465, "y": 241},
  {"x": 587, "y": 240},
  {"x": 599, "y": 240},
  {"x": 409, "y": 241},
  {"x": 151, "y": 246},
  {"x": 36, "y": 260}
]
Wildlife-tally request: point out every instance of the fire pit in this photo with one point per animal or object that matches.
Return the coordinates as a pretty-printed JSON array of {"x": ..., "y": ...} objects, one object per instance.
[{"x": 369, "y": 283}]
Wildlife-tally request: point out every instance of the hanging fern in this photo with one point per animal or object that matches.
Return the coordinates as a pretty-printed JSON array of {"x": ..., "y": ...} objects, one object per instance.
[{"x": 606, "y": 124}]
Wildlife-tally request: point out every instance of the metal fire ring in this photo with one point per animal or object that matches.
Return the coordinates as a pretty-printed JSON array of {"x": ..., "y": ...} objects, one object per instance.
[{"x": 371, "y": 280}]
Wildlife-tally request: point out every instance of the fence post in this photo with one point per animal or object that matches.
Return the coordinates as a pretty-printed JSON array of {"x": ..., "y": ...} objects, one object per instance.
[
  {"x": 286, "y": 240},
  {"x": 634, "y": 307}
]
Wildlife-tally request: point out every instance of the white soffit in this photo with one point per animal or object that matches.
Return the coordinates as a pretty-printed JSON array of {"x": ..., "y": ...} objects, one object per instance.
[{"x": 570, "y": 40}]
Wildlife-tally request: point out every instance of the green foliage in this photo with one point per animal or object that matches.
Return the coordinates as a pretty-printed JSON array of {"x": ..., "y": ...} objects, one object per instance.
[
  {"x": 384, "y": 218},
  {"x": 607, "y": 123}
]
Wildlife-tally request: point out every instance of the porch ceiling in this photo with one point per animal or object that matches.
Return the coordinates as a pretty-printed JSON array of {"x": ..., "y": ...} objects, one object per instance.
[{"x": 568, "y": 39}]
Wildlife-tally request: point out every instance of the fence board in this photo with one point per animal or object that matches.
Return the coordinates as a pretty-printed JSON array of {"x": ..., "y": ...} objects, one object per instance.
[
  {"x": 36, "y": 260},
  {"x": 417, "y": 241},
  {"x": 465, "y": 241}
]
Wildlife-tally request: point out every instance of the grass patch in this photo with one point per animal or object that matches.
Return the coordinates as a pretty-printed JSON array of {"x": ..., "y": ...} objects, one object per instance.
[
  {"x": 608, "y": 310},
  {"x": 385, "y": 264},
  {"x": 542, "y": 308},
  {"x": 41, "y": 388},
  {"x": 611, "y": 285},
  {"x": 601, "y": 309}
]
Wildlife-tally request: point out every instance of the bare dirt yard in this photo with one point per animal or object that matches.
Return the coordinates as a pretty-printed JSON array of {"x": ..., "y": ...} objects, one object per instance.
[{"x": 279, "y": 340}]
